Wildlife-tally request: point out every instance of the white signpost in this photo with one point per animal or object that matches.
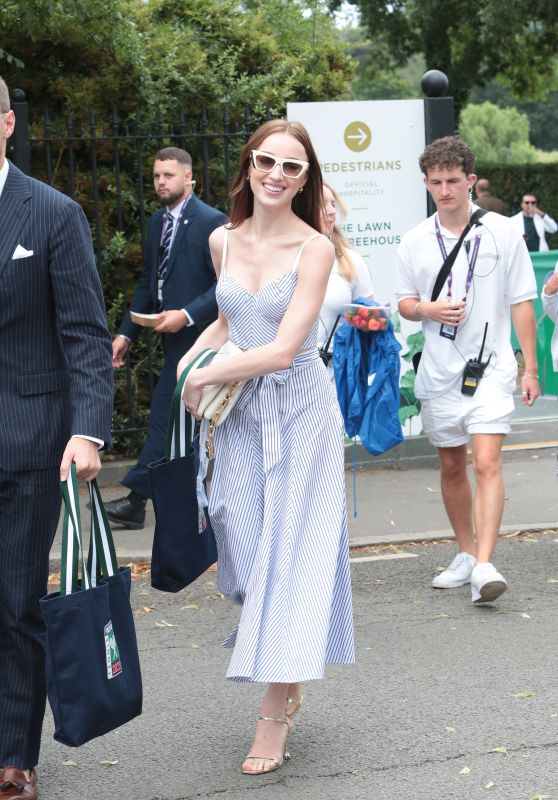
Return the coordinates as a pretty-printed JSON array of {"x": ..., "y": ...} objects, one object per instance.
[{"x": 369, "y": 153}]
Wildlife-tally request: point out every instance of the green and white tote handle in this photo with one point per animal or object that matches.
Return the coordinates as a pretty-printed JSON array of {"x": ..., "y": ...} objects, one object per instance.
[
  {"x": 102, "y": 556},
  {"x": 181, "y": 433}
]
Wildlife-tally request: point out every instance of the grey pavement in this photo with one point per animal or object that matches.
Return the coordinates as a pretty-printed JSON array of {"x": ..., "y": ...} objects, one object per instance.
[
  {"x": 398, "y": 495},
  {"x": 446, "y": 701}
]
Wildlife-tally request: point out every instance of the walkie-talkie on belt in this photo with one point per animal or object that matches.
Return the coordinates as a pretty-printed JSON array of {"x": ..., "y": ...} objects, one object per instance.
[{"x": 474, "y": 369}]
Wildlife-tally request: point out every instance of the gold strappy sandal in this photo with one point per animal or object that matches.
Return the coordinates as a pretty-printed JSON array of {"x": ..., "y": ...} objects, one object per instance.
[
  {"x": 275, "y": 764},
  {"x": 292, "y": 708}
]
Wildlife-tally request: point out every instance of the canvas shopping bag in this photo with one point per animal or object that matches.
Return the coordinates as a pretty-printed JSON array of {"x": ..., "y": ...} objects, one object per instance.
[
  {"x": 183, "y": 542},
  {"x": 92, "y": 665}
]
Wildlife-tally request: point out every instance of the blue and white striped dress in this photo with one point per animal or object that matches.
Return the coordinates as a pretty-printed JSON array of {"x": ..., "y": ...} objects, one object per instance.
[{"x": 277, "y": 503}]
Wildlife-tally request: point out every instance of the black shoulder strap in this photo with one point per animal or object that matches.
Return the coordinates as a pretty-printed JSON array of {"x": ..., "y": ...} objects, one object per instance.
[
  {"x": 449, "y": 262},
  {"x": 330, "y": 337}
]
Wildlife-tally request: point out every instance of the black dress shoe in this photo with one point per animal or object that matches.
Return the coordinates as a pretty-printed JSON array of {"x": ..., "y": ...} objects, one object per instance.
[{"x": 125, "y": 513}]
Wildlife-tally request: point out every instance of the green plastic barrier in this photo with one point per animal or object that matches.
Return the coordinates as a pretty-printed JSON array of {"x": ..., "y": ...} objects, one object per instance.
[{"x": 542, "y": 264}]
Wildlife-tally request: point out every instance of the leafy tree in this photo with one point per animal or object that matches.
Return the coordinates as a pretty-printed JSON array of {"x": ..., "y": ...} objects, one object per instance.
[
  {"x": 83, "y": 54},
  {"x": 471, "y": 43},
  {"x": 497, "y": 135},
  {"x": 373, "y": 82},
  {"x": 542, "y": 114}
]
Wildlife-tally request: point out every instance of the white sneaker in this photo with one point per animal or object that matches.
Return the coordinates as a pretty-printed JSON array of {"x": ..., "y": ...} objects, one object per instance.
[
  {"x": 457, "y": 574},
  {"x": 486, "y": 584}
]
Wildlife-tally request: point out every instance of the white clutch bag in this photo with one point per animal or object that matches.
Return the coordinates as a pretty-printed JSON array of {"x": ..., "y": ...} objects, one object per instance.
[{"x": 218, "y": 400}]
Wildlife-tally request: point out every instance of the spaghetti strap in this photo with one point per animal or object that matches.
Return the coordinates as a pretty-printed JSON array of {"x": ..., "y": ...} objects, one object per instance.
[
  {"x": 301, "y": 248},
  {"x": 225, "y": 244}
]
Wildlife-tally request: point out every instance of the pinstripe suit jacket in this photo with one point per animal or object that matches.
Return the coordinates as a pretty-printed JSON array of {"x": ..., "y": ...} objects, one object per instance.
[{"x": 55, "y": 349}]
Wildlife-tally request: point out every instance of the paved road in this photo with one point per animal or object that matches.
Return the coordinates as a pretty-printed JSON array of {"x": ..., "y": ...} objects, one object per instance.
[{"x": 437, "y": 686}]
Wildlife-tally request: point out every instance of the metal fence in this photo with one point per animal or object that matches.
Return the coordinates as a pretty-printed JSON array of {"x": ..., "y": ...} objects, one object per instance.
[{"x": 106, "y": 164}]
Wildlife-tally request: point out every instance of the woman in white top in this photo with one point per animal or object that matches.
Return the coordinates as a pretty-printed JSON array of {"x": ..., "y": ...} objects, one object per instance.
[{"x": 349, "y": 278}]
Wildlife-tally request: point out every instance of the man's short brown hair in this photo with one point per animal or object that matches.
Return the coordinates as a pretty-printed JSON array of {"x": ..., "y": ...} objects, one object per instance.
[
  {"x": 446, "y": 153},
  {"x": 4, "y": 97},
  {"x": 175, "y": 154}
]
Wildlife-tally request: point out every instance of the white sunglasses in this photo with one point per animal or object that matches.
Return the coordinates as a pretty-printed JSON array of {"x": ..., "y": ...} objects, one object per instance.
[{"x": 290, "y": 167}]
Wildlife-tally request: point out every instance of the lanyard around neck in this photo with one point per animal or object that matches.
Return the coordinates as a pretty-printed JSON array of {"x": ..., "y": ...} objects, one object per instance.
[{"x": 471, "y": 261}]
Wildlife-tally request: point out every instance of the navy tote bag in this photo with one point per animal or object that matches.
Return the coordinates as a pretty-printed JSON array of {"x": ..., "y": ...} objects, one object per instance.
[
  {"x": 183, "y": 542},
  {"x": 92, "y": 666}
]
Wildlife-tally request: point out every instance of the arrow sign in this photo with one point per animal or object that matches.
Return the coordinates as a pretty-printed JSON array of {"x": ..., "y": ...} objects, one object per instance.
[{"x": 357, "y": 136}]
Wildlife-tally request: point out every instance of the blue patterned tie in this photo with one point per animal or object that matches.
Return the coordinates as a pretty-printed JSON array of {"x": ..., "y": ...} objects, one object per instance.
[{"x": 164, "y": 255}]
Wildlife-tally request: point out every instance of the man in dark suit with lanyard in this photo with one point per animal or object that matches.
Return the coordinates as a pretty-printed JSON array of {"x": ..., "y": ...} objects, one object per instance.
[
  {"x": 56, "y": 398},
  {"x": 178, "y": 281}
]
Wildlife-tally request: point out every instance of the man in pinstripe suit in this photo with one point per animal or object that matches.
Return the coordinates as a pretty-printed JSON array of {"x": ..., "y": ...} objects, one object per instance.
[{"x": 55, "y": 408}]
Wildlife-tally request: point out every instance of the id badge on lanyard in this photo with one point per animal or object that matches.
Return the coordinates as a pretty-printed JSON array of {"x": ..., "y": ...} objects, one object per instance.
[{"x": 450, "y": 331}]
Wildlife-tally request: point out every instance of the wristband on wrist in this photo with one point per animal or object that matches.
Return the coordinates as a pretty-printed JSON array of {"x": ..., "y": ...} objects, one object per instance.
[
  {"x": 530, "y": 375},
  {"x": 416, "y": 311}
]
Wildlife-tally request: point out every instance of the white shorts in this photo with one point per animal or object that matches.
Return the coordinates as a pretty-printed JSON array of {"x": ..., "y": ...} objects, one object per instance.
[{"x": 449, "y": 419}]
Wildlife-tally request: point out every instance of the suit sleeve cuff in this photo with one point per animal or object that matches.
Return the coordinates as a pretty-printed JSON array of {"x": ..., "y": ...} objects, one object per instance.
[
  {"x": 189, "y": 320},
  {"x": 89, "y": 438}
]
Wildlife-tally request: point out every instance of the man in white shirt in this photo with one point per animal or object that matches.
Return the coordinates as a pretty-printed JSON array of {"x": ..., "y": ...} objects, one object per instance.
[
  {"x": 492, "y": 275},
  {"x": 532, "y": 223}
]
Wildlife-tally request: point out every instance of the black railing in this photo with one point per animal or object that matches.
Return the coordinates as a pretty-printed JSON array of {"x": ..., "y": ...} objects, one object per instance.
[{"x": 106, "y": 166}]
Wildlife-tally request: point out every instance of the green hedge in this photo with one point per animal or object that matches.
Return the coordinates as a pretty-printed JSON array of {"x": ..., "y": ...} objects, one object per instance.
[{"x": 510, "y": 182}]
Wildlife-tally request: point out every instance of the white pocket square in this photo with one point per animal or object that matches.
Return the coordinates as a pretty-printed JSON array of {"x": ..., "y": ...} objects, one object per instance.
[{"x": 21, "y": 252}]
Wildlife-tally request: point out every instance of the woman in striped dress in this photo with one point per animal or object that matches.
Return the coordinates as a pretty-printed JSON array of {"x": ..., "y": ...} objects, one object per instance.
[{"x": 277, "y": 501}]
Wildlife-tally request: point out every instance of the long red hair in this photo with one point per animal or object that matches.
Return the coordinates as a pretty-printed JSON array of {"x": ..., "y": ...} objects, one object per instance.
[{"x": 307, "y": 204}]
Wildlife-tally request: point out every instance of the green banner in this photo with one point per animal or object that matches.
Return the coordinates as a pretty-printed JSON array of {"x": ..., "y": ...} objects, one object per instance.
[{"x": 543, "y": 263}]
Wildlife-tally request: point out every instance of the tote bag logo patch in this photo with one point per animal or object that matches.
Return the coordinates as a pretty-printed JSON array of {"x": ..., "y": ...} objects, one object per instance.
[{"x": 114, "y": 664}]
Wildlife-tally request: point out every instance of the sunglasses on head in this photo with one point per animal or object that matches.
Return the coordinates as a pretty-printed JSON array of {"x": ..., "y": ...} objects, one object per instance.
[{"x": 290, "y": 167}]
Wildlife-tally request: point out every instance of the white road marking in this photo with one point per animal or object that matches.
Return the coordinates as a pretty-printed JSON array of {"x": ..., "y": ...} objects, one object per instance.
[{"x": 384, "y": 557}]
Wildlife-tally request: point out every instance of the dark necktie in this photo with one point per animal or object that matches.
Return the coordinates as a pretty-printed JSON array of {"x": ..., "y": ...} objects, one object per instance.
[{"x": 164, "y": 255}]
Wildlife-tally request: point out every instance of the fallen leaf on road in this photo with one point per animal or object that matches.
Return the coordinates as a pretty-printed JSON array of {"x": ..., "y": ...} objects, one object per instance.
[
  {"x": 216, "y": 596},
  {"x": 488, "y": 785},
  {"x": 69, "y": 763},
  {"x": 465, "y": 771},
  {"x": 525, "y": 616},
  {"x": 502, "y": 750},
  {"x": 442, "y": 616},
  {"x": 531, "y": 540},
  {"x": 195, "y": 646},
  {"x": 164, "y": 624},
  {"x": 552, "y": 580},
  {"x": 108, "y": 762},
  {"x": 192, "y": 605},
  {"x": 395, "y": 549},
  {"x": 434, "y": 491},
  {"x": 554, "y": 715},
  {"x": 450, "y": 730},
  {"x": 524, "y": 694},
  {"x": 141, "y": 612},
  {"x": 418, "y": 602},
  {"x": 540, "y": 797}
]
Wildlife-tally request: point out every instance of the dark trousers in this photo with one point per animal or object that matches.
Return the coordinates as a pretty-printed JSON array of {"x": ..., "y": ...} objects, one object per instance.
[
  {"x": 137, "y": 478},
  {"x": 29, "y": 512}
]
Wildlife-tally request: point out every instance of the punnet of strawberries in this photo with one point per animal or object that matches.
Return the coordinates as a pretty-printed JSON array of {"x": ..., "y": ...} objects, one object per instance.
[{"x": 368, "y": 318}]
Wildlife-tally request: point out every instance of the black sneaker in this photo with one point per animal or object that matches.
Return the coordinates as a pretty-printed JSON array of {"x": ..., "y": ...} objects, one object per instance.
[{"x": 126, "y": 513}]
